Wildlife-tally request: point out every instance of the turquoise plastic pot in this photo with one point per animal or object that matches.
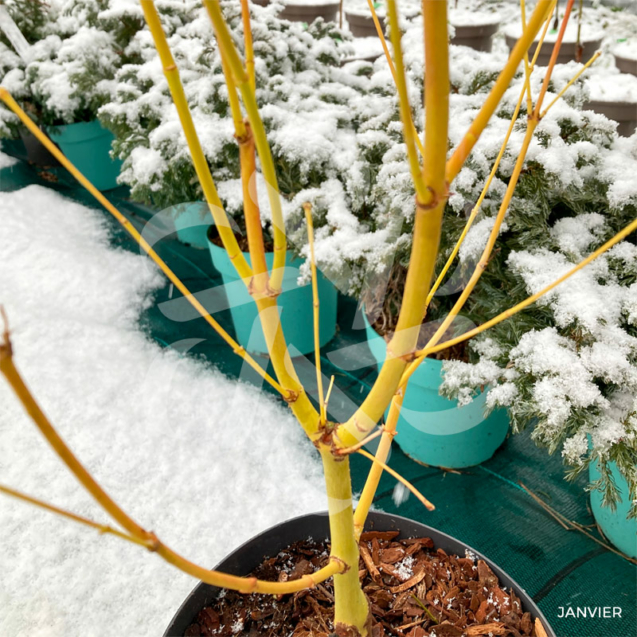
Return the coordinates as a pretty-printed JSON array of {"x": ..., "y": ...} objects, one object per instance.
[
  {"x": 192, "y": 221},
  {"x": 87, "y": 145},
  {"x": 436, "y": 431},
  {"x": 295, "y": 305},
  {"x": 620, "y": 531}
]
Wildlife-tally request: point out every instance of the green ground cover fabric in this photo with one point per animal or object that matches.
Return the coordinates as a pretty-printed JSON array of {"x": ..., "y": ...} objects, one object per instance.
[{"x": 482, "y": 506}]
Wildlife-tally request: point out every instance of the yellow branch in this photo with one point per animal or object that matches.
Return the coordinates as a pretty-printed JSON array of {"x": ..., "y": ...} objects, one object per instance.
[
  {"x": 102, "y": 528},
  {"x": 307, "y": 207},
  {"x": 196, "y": 152},
  {"x": 570, "y": 83},
  {"x": 403, "y": 103},
  {"x": 247, "y": 159},
  {"x": 477, "y": 207},
  {"x": 427, "y": 227},
  {"x": 527, "y": 68},
  {"x": 147, "y": 538},
  {"x": 457, "y": 160},
  {"x": 421, "y": 354},
  {"x": 373, "y": 479},
  {"x": 533, "y": 121},
  {"x": 172, "y": 277},
  {"x": 390, "y": 62},
  {"x": 242, "y": 79},
  {"x": 247, "y": 39},
  {"x": 376, "y": 460},
  {"x": 233, "y": 100}
]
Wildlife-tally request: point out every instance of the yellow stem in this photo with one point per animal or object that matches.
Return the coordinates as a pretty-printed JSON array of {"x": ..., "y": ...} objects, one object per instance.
[
  {"x": 403, "y": 103},
  {"x": 242, "y": 79},
  {"x": 233, "y": 100},
  {"x": 373, "y": 478},
  {"x": 147, "y": 538},
  {"x": 478, "y": 206},
  {"x": 247, "y": 159},
  {"x": 351, "y": 608},
  {"x": 376, "y": 460},
  {"x": 329, "y": 393},
  {"x": 457, "y": 160},
  {"x": 390, "y": 62},
  {"x": 533, "y": 121},
  {"x": 196, "y": 152},
  {"x": 102, "y": 528},
  {"x": 485, "y": 190},
  {"x": 527, "y": 69},
  {"x": 172, "y": 277},
  {"x": 247, "y": 40},
  {"x": 348, "y": 451},
  {"x": 427, "y": 227},
  {"x": 620, "y": 236},
  {"x": 570, "y": 83},
  {"x": 307, "y": 207}
]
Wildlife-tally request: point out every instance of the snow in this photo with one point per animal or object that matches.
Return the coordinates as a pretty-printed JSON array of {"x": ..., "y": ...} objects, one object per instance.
[
  {"x": 203, "y": 461},
  {"x": 627, "y": 49},
  {"x": 460, "y": 17},
  {"x": 589, "y": 33},
  {"x": 613, "y": 87},
  {"x": 6, "y": 161}
]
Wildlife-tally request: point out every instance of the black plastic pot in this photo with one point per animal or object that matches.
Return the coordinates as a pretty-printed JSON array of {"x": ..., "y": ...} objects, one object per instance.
[
  {"x": 362, "y": 26},
  {"x": 624, "y": 113},
  {"x": 309, "y": 12},
  {"x": 476, "y": 36},
  {"x": 37, "y": 153},
  {"x": 568, "y": 50},
  {"x": 247, "y": 557}
]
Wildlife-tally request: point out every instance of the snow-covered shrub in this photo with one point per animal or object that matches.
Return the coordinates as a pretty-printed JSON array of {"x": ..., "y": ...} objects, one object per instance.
[
  {"x": 567, "y": 366},
  {"x": 76, "y": 48},
  {"x": 305, "y": 98}
]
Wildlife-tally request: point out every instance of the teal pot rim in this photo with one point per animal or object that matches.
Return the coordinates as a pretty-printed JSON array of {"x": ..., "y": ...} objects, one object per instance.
[
  {"x": 78, "y": 132},
  {"x": 224, "y": 266},
  {"x": 423, "y": 373}
]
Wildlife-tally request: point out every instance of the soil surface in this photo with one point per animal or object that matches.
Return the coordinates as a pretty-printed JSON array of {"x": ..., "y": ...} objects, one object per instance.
[{"x": 414, "y": 591}]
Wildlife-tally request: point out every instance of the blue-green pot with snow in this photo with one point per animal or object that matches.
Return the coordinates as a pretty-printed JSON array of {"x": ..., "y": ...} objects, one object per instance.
[
  {"x": 295, "y": 304},
  {"x": 436, "y": 431},
  {"x": 87, "y": 145},
  {"x": 192, "y": 221},
  {"x": 621, "y": 531}
]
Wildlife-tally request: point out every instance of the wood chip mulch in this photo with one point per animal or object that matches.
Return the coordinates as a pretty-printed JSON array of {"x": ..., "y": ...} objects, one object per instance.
[{"x": 414, "y": 591}]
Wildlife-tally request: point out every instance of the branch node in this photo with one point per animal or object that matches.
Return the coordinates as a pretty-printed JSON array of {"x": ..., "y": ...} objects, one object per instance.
[
  {"x": 344, "y": 567},
  {"x": 436, "y": 199},
  {"x": 291, "y": 396}
]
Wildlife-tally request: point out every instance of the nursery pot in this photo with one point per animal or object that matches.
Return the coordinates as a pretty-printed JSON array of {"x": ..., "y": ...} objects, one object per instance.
[
  {"x": 295, "y": 304},
  {"x": 306, "y": 12},
  {"x": 87, "y": 145},
  {"x": 567, "y": 51},
  {"x": 436, "y": 431},
  {"x": 619, "y": 530},
  {"x": 626, "y": 65},
  {"x": 476, "y": 36},
  {"x": 247, "y": 557},
  {"x": 624, "y": 113},
  {"x": 362, "y": 26},
  {"x": 192, "y": 221},
  {"x": 37, "y": 153}
]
